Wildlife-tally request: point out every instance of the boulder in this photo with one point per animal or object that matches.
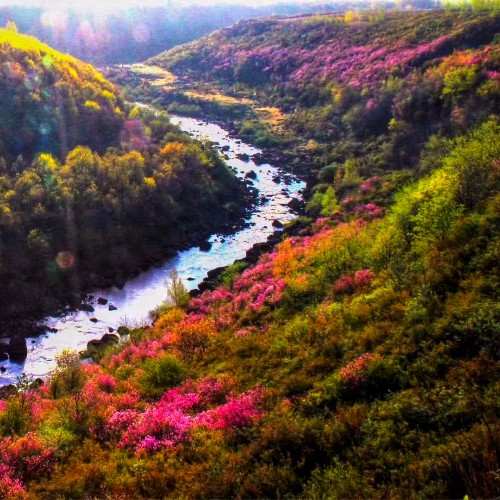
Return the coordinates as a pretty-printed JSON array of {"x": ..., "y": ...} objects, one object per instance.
[
  {"x": 205, "y": 246},
  {"x": 95, "y": 343},
  {"x": 107, "y": 339},
  {"x": 277, "y": 224},
  {"x": 295, "y": 204},
  {"x": 17, "y": 349},
  {"x": 123, "y": 330},
  {"x": 86, "y": 308},
  {"x": 94, "y": 320},
  {"x": 243, "y": 157},
  {"x": 7, "y": 391},
  {"x": 102, "y": 301},
  {"x": 110, "y": 338},
  {"x": 111, "y": 307},
  {"x": 38, "y": 382},
  {"x": 251, "y": 175}
]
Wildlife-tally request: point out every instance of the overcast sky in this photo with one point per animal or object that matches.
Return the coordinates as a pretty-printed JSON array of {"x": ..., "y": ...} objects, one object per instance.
[{"x": 114, "y": 4}]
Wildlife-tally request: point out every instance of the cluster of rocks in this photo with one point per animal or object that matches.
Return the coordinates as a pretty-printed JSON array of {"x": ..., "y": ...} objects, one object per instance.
[{"x": 13, "y": 348}]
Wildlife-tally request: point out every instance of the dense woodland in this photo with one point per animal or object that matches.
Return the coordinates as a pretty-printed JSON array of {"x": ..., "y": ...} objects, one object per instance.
[
  {"x": 91, "y": 189},
  {"x": 358, "y": 359}
]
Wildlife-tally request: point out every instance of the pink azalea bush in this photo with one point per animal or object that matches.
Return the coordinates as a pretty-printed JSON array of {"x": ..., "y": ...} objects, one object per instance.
[
  {"x": 256, "y": 289},
  {"x": 26, "y": 457},
  {"x": 348, "y": 283},
  {"x": 370, "y": 210},
  {"x": 370, "y": 184},
  {"x": 354, "y": 374},
  {"x": 207, "y": 403},
  {"x": 9, "y": 486}
]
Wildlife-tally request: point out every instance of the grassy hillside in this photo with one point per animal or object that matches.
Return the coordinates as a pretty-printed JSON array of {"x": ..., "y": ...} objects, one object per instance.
[{"x": 358, "y": 359}]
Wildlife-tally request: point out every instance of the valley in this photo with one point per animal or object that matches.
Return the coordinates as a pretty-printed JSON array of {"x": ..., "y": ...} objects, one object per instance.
[{"x": 339, "y": 183}]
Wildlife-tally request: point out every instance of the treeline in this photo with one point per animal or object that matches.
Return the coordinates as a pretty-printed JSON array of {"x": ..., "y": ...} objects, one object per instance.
[{"x": 93, "y": 219}]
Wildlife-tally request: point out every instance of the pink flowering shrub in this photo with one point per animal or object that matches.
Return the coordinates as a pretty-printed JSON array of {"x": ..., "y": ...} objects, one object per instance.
[
  {"x": 349, "y": 201},
  {"x": 240, "y": 411},
  {"x": 370, "y": 184},
  {"x": 168, "y": 423},
  {"x": 254, "y": 290},
  {"x": 348, "y": 284},
  {"x": 9, "y": 486},
  {"x": 368, "y": 210},
  {"x": 26, "y": 457},
  {"x": 363, "y": 277},
  {"x": 106, "y": 383},
  {"x": 354, "y": 374}
]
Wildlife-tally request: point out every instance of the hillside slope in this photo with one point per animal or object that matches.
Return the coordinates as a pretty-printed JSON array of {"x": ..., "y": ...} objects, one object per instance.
[
  {"x": 52, "y": 102},
  {"x": 380, "y": 84},
  {"x": 127, "y": 35}
]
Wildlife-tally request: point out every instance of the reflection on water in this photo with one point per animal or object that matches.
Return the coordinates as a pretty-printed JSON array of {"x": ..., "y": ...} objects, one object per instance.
[{"x": 146, "y": 291}]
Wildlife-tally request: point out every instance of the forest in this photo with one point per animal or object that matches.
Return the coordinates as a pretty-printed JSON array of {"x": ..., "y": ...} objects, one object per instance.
[
  {"x": 90, "y": 186},
  {"x": 357, "y": 359}
]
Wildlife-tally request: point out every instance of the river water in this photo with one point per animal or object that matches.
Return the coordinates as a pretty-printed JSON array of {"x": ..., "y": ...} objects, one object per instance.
[{"x": 148, "y": 290}]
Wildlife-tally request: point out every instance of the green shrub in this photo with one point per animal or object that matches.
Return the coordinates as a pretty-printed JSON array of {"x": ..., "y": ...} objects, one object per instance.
[{"x": 161, "y": 374}]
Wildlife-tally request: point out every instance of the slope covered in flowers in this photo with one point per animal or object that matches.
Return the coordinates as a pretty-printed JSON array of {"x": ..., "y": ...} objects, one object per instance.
[
  {"x": 377, "y": 83},
  {"x": 358, "y": 359},
  {"x": 361, "y": 52}
]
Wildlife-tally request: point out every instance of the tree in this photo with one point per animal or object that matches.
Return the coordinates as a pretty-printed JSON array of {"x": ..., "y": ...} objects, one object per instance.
[
  {"x": 177, "y": 293},
  {"x": 11, "y": 26}
]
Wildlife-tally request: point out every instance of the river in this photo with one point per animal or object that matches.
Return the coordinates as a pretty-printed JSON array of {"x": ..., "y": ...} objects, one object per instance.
[{"x": 146, "y": 291}]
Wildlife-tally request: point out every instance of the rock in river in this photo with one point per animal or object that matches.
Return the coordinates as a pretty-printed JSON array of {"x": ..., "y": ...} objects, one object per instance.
[{"x": 17, "y": 349}]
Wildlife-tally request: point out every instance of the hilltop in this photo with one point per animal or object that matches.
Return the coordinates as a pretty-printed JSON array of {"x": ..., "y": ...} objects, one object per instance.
[{"x": 52, "y": 102}]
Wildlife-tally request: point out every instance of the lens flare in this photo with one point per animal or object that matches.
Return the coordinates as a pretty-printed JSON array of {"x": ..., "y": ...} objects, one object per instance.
[{"x": 65, "y": 260}]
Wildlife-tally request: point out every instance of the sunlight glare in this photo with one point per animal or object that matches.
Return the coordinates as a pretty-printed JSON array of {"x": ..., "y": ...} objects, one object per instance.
[{"x": 54, "y": 18}]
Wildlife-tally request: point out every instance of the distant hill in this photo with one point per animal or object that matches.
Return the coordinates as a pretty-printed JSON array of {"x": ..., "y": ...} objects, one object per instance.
[
  {"x": 135, "y": 34},
  {"x": 359, "y": 50},
  {"x": 400, "y": 76},
  {"x": 52, "y": 102}
]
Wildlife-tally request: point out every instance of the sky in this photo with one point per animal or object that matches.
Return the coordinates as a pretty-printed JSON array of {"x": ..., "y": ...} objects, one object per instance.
[{"x": 120, "y": 4}]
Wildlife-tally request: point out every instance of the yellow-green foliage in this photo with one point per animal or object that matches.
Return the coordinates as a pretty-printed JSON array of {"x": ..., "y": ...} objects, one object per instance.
[{"x": 51, "y": 101}]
